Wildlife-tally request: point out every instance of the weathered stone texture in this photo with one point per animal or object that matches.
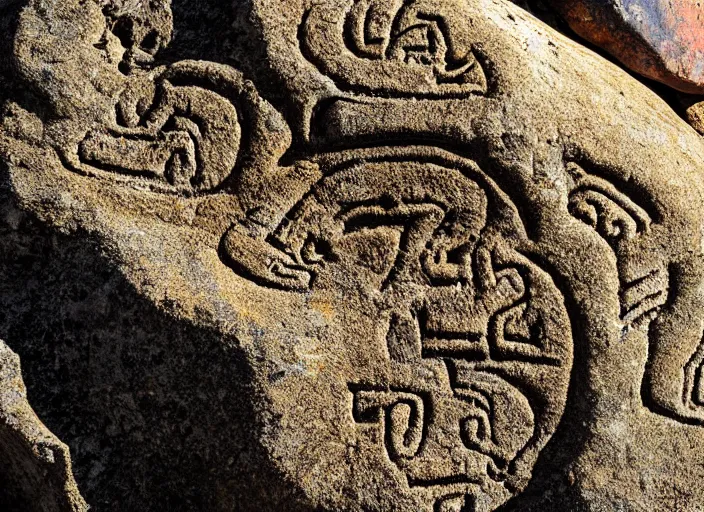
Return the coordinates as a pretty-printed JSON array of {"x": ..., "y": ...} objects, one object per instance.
[
  {"x": 36, "y": 472},
  {"x": 350, "y": 255}
]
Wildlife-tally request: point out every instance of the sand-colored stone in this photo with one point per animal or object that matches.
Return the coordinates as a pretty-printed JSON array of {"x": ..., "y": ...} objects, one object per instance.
[
  {"x": 351, "y": 255},
  {"x": 695, "y": 116}
]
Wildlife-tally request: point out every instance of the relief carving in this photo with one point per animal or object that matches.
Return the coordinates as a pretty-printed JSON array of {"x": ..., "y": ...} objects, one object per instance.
[
  {"x": 619, "y": 220},
  {"x": 450, "y": 294},
  {"x": 185, "y": 136},
  {"x": 597, "y": 203},
  {"x": 441, "y": 328},
  {"x": 398, "y": 47},
  {"x": 182, "y": 128},
  {"x": 671, "y": 385},
  {"x": 178, "y": 127}
]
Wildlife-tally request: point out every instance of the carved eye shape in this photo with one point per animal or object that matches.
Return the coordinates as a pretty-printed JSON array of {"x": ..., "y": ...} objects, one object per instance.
[
  {"x": 603, "y": 214},
  {"x": 612, "y": 214},
  {"x": 316, "y": 250}
]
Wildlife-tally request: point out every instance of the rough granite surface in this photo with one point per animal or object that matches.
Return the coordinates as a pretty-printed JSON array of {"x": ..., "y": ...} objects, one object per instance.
[{"x": 343, "y": 255}]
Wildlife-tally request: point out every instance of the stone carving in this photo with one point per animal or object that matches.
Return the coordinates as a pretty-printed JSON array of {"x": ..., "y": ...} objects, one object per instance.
[
  {"x": 452, "y": 261},
  {"x": 400, "y": 48},
  {"x": 189, "y": 137},
  {"x": 620, "y": 221},
  {"x": 179, "y": 127},
  {"x": 612, "y": 214},
  {"x": 451, "y": 294}
]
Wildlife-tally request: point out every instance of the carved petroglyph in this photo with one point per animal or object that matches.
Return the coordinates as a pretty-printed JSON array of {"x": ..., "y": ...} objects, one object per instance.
[
  {"x": 500, "y": 323},
  {"x": 178, "y": 127},
  {"x": 599, "y": 204},
  {"x": 189, "y": 137},
  {"x": 182, "y": 129},
  {"x": 452, "y": 294},
  {"x": 405, "y": 314},
  {"x": 398, "y": 47},
  {"x": 481, "y": 413},
  {"x": 643, "y": 294},
  {"x": 619, "y": 220},
  {"x": 171, "y": 131},
  {"x": 404, "y": 414}
]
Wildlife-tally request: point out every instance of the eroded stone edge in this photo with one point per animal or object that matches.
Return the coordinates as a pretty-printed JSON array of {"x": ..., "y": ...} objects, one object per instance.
[{"x": 36, "y": 464}]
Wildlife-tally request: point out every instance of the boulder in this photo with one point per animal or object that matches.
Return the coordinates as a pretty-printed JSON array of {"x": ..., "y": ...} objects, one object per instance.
[
  {"x": 660, "y": 39},
  {"x": 344, "y": 255}
]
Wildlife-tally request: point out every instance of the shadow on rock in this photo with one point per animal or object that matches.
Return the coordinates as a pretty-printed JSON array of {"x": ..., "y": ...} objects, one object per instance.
[{"x": 156, "y": 411}]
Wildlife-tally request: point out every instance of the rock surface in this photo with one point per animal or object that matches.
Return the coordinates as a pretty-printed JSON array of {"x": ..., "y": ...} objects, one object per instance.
[
  {"x": 36, "y": 470},
  {"x": 346, "y": 255},
  {"x": 660, "y": 39},
  {"x": 695, "y": 116}
]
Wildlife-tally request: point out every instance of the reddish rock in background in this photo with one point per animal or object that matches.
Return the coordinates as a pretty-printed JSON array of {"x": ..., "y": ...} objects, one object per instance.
[{"x": 661, "y": 39}]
